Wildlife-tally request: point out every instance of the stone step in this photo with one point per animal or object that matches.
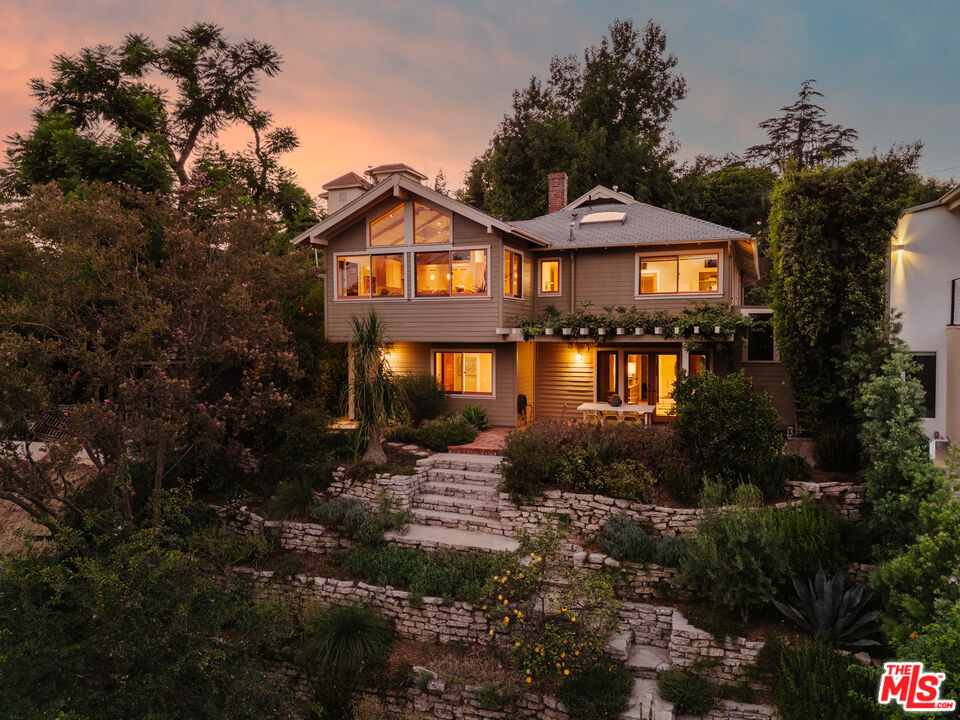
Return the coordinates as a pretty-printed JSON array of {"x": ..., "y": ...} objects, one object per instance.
[
  {"x": 461, "y": 461},
  {"x": 429, "y": 536},
  {"x": 456, "y": 521},
  {"x": 460, "y": 489},
  {"x": 645, "y": 661},
  {"x": 646, "y": 704},
  {"x": 475, "y": 477},
  {"x": 460, "y": 505}
]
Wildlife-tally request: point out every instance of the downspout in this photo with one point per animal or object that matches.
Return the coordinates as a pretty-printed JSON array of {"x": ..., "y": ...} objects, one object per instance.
[{"x": 573, "y": 280}]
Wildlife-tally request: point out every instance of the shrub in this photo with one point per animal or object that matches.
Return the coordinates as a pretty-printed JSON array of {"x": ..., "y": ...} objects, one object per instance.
[
  {"x": 837, "y": 448},
  {"x": 831, "y": 614},
  {"x": 734, "y": 560},
  {"x": 688, "y": 691},
  {"x": 728, "y": 429},
  {"x": 424, "y": 396},
  {"x": 771, "y": 476},
  {"x": 531, "y": 459},
  {"x": 681, "y": 482},
  {"x": 292, "y": 500},
  {"x": 341, "y": 640},
  {"x": 810, "y": 537},
  {"x": 651, "y": 446},
  {"x": 475, "y": 415},
  {"x": 442, "y": 573},
  {"x": 490, "y": 698},
  {"x": 406, "y": 434},
  {"x": 600, "y": 692},
  {"x": 937, "y": 645},
  {"x": 624, "y": 539},
  {"x": 361, "y": 471},
  {"x": 584, "y": 473},
  {"x": 441, "y": 433},
  {"x": 811, "y": 679},
  {"x": 362, "y": 525}
]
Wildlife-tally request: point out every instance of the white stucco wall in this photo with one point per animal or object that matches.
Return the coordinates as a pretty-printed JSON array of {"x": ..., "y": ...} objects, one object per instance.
[{"x": 920, "y": 281}]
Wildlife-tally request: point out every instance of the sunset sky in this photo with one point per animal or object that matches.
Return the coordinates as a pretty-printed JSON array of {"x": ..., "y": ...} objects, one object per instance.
[{"x": 426, "y": 83}]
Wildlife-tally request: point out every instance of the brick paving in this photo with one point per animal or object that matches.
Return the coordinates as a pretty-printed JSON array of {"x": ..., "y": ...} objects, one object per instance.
[{"x": 488, "y": 442}]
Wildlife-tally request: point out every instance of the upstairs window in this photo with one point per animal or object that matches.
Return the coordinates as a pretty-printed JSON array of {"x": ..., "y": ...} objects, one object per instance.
[
  {"x": 387, "y": 230},
  {"x": 512, "y": 274},
  {"x": 679, "y": 274},
  {"x": 429, "y": 226},
  {"x": 550, "y": 276},
  {"x": 370, "y": 276},
  {"x": 452, "y": 273}
]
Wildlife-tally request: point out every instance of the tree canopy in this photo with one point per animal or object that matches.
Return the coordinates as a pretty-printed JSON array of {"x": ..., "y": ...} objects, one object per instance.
[
  {"x": 602, "y": 120},
  {"x": 802, "y": 136}
]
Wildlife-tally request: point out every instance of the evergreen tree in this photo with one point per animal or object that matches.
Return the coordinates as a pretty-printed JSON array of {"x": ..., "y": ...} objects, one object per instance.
[{"x": 801, "y": 135}]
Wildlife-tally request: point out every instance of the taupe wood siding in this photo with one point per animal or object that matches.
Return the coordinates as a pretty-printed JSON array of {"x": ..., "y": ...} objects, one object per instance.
[
  {"x": 608, "y": 277},
  {"x": 562, "y": 381},
  {"x": 526, "y": 375},
  {"x": 406, "y": 357},
  {"x": 561, "y": 301},
  {"x": 772, "y": 377},
  {"x": 413, "y": 319}
]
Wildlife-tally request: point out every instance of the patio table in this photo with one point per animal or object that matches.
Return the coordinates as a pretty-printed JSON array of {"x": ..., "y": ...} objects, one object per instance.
[{"x": 644, "y": 411}]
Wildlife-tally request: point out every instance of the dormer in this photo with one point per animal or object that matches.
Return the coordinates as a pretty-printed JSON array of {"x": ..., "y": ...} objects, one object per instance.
[
  {"x": 343, "y": 190},
  {"x": 383, "y": 172}
]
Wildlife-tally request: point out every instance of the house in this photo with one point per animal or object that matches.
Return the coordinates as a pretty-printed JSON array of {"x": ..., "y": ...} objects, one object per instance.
[
  {"x": 451, "y": 282},
  {"x": 924, "y": 285}
]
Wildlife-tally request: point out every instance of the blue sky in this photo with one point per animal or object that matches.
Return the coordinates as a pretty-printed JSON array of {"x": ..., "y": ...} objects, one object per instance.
[{"x": 427, "y": 82}]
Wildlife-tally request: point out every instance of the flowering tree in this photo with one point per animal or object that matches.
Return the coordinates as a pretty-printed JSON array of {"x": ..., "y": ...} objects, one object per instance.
[{"x": 139, "y": 327}]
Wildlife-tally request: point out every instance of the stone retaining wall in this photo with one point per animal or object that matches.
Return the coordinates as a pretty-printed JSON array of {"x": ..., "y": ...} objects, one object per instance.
[
  {"x": 691, "y": 646},
  {"x": 735, "y": 711},
  {"x": 635, "y": 581},
  {"x": 425, "y": 619},
  {"x": 851, "y": 498},
  {"x": 401, "y": 488}
]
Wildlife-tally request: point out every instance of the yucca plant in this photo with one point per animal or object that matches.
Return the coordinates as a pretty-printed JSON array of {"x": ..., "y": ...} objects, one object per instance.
[
  {"x": 341, "y": 640},
  {"x": 832, "y": 614},
  {"x": 292, "y": 500}
]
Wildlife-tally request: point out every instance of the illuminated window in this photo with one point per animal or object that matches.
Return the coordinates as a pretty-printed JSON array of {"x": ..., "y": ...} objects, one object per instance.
[
  {"x": 429, "y": 226},
  {"x": 550, "y": 277},
  {"x": 464, "y": 373},
  {"x": 364, "y": 276},
  {"x": 667, "y": 366},
  {"x": 512, "y": 274},
  {"x": 353, "y": 276},
  {"x": 679, "y": 274},
  {"x": 386, "y": 275},
  {"x": 698, "y": 363},
  {"x": 460, "y": 273},
  {"x": 387, "y": 230}
]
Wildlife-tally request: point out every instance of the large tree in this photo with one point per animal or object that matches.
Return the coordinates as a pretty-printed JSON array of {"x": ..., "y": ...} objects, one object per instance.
[
  {"x": 830, "y": 231},
  {"x": 725, "y": 192},
  {"x": 802, "y": 136},
  {"x": 144, "y": 334},
  {"x": 602, "y": 120},
  {"x": 107, "y": 115}
]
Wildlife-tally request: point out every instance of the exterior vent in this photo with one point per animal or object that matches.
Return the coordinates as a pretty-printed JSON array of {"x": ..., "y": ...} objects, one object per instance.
[{"x": 604, "y": 217}]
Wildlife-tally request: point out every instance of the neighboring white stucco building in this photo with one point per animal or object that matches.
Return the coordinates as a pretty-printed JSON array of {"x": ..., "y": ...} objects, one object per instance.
[{"x": 925, "y": 287}]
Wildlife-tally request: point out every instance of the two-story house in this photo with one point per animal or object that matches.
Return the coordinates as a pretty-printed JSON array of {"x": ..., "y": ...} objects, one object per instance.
[{"x": 450, "y": 280}]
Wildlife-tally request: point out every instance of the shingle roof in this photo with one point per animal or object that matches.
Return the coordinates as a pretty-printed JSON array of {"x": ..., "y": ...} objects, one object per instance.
[
  {"x": 395, "y": 167},
  {"x": 351, "y": 179},
  {"x": 643, "y": 224}
]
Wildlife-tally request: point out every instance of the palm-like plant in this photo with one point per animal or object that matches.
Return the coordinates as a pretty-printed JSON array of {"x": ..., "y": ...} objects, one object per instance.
[
  {"x": 833, "y": 614},
  {"x": 376, "y": 394},
  {"x": 340, "y": 641}
]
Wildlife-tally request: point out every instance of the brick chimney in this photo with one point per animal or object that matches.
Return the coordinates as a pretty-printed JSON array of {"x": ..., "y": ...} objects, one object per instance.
[{"x": 556, "y": 191}]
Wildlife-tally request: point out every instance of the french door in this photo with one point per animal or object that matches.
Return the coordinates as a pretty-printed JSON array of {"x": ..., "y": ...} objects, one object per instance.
[{"x": 648, "y": 379}]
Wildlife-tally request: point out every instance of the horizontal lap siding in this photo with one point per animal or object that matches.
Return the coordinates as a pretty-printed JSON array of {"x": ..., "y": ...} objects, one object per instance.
[
  {"x": 772, "y": 377},
  {"x": 456, "y": 320},
  {"x": 501, "y": 410},
  {"x": 560, "y": 301},
  {"x": 608, "y": 277},
  {"x": 562, "y": 381}
]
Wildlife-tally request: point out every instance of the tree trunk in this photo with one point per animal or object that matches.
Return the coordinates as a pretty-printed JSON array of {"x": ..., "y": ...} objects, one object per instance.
[
  {"x": 158, "y": 481},
  {"x": 374, "y": 451}
]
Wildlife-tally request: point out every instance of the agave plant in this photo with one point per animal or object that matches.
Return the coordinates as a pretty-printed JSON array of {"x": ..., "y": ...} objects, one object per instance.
[{"x": 833, "y": 614}]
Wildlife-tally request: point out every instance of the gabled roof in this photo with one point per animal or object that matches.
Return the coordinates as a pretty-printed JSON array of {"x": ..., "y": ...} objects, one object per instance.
[
  {"x": 349, "y": 180},
  {"x": 600, "y": 193},
  {"x": 950, "y": 200},
  {"x": 403, "y": 187},
  {"x": 395, "y": 168}
]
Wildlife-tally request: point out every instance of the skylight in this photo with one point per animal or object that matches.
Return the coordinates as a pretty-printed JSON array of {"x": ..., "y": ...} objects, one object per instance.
[{"x": 604, "y": 217}]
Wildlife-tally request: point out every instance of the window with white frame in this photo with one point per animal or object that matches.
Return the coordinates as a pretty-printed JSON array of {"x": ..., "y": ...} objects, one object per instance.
[
  {"x": 549, "y": 276},
  {"x": 678, "y": 274},
  {"x": 464, "y": 372},
  {"x": 368, "y": 276}
]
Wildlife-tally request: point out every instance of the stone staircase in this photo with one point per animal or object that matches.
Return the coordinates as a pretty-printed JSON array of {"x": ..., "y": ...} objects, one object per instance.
[
  {"x": 457, "y": 503},
  {"x": 645, "y": 662}
]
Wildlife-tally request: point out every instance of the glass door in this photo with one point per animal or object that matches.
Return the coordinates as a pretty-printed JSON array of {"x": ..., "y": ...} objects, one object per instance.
[
  {"x": 606, "y": 375},
  {"x": 664, "y": 378},
  {"x": 638, "y": 378}
]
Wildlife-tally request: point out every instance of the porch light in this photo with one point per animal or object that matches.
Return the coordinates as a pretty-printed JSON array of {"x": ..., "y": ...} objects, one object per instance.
[{"x": 579, "y": 356}]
